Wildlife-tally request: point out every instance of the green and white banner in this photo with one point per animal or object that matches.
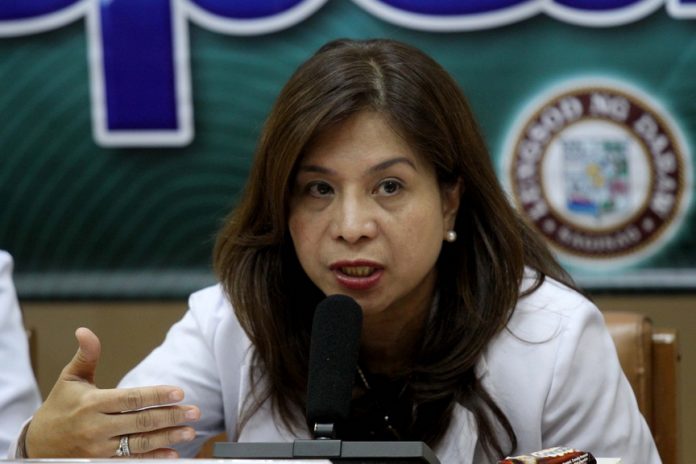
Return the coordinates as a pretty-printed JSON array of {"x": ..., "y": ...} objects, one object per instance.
[{"x": 127, "y": 127}]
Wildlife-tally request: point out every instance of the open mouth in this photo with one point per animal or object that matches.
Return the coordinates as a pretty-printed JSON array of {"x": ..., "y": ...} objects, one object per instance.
[
  {"x": 358, "y": 271},
  {"x": 358, "y": 274}
]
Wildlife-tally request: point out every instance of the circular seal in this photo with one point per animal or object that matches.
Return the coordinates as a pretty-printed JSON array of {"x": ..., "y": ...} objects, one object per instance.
[{"x": 600, "y": 172}]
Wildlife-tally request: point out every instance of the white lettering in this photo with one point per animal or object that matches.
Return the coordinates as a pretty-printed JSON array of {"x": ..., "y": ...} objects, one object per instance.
[
  {"x": 530, "y": 151},
  {"x": 607, "y": 243},
  {"x": 666, "y": 162},
  {"x": 529, "y": 193},
  {"x": 646, "y": 127},
  {"x": 662, "y": 203},
  {"x": 666, "y": 184},
  {"x": 613, "y": 107},
  {"x": 554, "y": 118},
  {"x": 659, "y": 143},
  {"x": 538, "y": 210},
  {"x": 571, "y": 108}
]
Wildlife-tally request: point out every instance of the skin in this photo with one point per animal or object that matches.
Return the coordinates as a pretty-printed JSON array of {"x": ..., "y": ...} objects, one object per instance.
[
  {"x": 367, "y": 219},
  {"x": 80, "y": 420}
]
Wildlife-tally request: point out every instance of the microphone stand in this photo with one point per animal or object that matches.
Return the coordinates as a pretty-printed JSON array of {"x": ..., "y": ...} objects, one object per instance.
[{"x": 326, "y": 446}]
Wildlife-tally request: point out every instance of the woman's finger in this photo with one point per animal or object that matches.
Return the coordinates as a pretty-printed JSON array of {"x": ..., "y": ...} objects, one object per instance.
[
  {"x": 149, "y": 420},
  {"x": 144, "y": 443},
  {"x": 131, "y": 399},
  {"x": 83, "y": 365}
]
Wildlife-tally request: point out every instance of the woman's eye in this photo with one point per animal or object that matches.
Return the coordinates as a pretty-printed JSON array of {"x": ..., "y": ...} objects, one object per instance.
[
  {"x": 319, "y": 189},
  {"x": 389, "y": 187}
]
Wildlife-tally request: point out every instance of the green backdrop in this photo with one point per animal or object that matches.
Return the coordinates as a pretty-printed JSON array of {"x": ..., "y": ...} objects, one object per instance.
[{"x": 85, "y": 221}]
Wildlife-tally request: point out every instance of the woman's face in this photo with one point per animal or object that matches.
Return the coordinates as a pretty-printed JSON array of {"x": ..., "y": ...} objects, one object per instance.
[{"x": 368, "y": 218}]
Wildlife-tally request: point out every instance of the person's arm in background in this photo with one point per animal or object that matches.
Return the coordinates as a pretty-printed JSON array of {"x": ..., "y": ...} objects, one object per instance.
[{"x": 19, "y": 394}]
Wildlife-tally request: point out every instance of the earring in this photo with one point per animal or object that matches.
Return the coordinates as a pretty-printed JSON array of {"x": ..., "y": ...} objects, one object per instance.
[{"x": 451, "y": 236}]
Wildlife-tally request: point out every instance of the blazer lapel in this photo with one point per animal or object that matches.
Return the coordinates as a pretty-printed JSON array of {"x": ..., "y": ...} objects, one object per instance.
[
  {"x": 459, "y": 443},
  {"x": 263, "y": 425}
]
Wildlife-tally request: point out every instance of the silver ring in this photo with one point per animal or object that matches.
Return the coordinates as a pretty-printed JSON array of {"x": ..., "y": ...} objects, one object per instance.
[{"x": 123, "y": 450}]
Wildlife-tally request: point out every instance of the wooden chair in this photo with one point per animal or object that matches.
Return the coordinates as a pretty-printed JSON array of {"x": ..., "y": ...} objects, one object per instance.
[
  {"x": 33, "y": 350},
  {"x": 649, "y": 357},
  {"x": 206, "y": 451}
]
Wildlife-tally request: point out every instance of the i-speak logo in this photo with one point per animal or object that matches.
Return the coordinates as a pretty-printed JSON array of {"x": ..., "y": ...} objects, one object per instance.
[
  {"x": 139, "y": 49},
  {"x": 139, "y": 55}
]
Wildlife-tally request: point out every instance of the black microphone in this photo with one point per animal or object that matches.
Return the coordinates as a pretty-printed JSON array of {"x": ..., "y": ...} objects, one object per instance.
[{"x": 333, "y": 360}]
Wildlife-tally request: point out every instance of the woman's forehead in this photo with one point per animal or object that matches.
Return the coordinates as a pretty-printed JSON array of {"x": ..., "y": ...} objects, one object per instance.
[{"x": 368, "y": 137}]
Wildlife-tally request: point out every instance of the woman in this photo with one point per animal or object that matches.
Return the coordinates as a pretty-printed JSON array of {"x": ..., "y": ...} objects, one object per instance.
[{"x": 371, "y": 179}]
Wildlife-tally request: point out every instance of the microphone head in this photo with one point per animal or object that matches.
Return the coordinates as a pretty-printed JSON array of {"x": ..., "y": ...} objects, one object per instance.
[{"x": 333, "y": 359}]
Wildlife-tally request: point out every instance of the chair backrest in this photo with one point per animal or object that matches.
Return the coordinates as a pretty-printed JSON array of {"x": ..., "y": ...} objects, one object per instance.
[
  {"x": 33, "y": 352},
  {"x": 650, "y": 360}
]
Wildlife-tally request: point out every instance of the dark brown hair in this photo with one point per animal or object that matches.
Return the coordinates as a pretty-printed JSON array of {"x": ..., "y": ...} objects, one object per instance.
[{"x": 479, "y": 275}]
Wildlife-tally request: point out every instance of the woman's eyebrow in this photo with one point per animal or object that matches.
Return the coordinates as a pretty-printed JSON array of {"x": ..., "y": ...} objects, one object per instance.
[
  {"x": 315, "y": 168},
  {"x": 391, "y": 162},
  {"x": 378, "y": 167}
]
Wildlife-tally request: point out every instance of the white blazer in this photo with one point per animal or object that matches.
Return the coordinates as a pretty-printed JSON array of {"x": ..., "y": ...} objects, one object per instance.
[
  {"x": 19, "y": 394},
  {"x": 554, "y": 372}
]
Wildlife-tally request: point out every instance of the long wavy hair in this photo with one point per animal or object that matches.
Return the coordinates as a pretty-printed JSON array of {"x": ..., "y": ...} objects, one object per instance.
[{"x": 478, "y": 276}]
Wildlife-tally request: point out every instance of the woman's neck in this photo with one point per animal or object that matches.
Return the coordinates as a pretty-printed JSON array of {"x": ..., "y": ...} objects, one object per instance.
[{"x": 391, "y": 338}]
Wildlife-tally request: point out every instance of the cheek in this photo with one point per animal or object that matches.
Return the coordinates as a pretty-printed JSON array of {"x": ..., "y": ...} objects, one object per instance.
[
  {"x": 418, "y": 233},
  {"x": 423, "y": 220}
]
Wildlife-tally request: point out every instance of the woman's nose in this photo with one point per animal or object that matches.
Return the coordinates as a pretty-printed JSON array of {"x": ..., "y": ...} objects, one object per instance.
[{"x": 354, "y": 220}]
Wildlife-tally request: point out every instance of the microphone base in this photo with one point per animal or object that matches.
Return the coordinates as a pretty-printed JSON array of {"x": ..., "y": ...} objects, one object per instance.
[{"x": 343, "y": 452}]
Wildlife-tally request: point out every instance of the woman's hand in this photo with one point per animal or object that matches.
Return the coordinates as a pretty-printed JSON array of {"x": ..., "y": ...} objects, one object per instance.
[{"x": 78, "y": 420}]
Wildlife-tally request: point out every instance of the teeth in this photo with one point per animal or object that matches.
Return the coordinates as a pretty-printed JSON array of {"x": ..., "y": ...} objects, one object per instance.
[{"x": 359, "y": 271}]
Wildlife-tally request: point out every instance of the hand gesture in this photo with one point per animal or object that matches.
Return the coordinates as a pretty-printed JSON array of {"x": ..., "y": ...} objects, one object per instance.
[{"x": 78, "y": 420}]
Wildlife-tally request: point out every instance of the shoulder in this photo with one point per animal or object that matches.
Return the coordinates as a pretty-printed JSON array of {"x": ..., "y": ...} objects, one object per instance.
[
  {"x": 212, "y": 313},
  {"x": 535, "y": 353},
  {"x": 212, "y": 296},
  {"x": 204, "y": 344},
  {"x": 208, "y": 308},
  {"x": 544, "y": 332},
  {"x": 207, "y": 331},
  {"x": 210, "y": 302},
  {"x": 555, "y": 374},
  {"x": 544, "y": 322},
  {"x": 5, "y": 264},
  {"x": 552, "y": 310}
]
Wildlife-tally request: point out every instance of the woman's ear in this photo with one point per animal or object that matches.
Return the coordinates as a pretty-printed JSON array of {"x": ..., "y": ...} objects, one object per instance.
[{"x": 451, "y": 196}]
